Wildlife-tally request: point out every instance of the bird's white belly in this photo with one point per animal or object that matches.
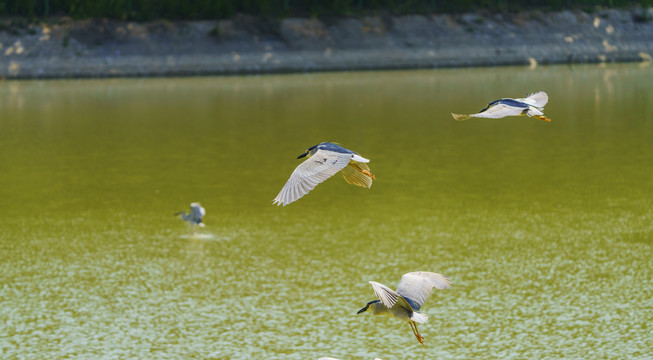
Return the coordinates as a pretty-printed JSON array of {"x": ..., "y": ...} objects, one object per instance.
[{"x": 400, "y": 313}]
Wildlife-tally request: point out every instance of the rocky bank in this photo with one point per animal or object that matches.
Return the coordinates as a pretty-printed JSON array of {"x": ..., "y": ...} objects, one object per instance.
[{"x": 62, "y": 48}]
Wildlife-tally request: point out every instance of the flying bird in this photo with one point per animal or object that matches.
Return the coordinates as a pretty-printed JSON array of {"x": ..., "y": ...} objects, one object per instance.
[
  {"x": 532, "y": 105},
  {"x": 324, "y": 160},
  {"x": 412, "y": 292},
  {"x": 195, "y": 216}
]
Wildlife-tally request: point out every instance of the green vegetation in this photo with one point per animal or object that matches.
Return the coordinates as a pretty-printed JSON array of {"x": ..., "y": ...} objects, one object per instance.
[
  {"x": 215, "y": 9},
  {"x": 215, "y": 32}
]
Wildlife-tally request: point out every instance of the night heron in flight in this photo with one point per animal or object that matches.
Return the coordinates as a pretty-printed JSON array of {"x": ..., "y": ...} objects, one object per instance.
[
  {"x": 194, "y": 217},
  {"x": 413, "y": 290},
  {"x": 324, "y": 160},
  {"x": 532, "y": 105}
]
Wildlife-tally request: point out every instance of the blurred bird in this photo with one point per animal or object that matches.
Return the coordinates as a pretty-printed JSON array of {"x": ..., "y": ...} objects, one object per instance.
[
  {"x": 324, "y": 160},
  {"x": 330, "y": 358},
  {"x": 413, "y": 290},
  {"x": 532, "y": 105},
  {"x": 194, "y": 217}
]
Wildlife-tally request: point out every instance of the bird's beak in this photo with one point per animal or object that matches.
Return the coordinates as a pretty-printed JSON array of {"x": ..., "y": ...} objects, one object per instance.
[
  {"x": 302, "y": 155},
  {"x": 363, "y": 309}
]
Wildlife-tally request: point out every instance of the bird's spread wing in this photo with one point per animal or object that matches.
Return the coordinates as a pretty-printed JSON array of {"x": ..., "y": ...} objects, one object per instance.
[
  {"x": 390, "y": 299},
  {"x": 355, "y": 176},
  {"x": 538, "y": 99},
  {"x": 500, "y": 110},
  {"x": 387, "y": 296},
  {"x": 319, "y": 167},
  {"x": 417, "y": 286}
]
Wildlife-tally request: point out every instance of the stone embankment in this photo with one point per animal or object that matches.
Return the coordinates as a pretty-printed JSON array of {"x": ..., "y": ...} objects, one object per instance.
[{"x": 61, "y": 48}]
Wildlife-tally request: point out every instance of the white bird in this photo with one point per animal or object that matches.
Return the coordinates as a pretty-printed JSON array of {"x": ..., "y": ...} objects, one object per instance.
[
  {"x": 532, "y": 105},
  {"x": 195, "y": 216},
  {"x": 324, "y": 160},
  {"x": 412, "y": 292}
]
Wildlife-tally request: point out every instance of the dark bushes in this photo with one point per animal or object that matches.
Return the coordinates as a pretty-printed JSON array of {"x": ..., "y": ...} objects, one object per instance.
[{"x": 215, "y": 9}]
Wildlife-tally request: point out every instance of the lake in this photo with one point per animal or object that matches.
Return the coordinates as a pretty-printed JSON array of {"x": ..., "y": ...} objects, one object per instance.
[{"x": 545, "y": 229}]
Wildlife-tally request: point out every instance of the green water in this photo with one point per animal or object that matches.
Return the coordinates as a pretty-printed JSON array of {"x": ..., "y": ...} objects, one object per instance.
[{"x": 545, "y": 229}]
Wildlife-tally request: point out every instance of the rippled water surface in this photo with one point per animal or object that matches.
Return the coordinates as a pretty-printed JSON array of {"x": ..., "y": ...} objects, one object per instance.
[{"x": 545, "y": 229}]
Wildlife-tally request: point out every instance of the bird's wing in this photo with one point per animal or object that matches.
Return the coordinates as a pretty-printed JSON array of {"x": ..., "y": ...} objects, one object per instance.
[
  {"x": 387, "y": 296},
  {"x": 390, "y": 298},
  {"x": 198, "y": 209},
  {"x": 538, "y": 99},
  {"x": 356, "y": 177},
  {"x": 319, "y": 167},
  {"x": 500, "y": 110},
  {"x": 417, "y": 286},
  {"x": 197, "y": 212}
]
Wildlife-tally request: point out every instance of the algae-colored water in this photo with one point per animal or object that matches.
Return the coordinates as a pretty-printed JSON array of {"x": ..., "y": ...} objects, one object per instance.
[{"x": 545, "y": 229}]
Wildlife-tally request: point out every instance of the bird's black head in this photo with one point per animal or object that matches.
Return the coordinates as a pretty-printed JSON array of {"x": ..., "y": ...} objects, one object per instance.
[
  {"x": 490, "y": 105},
  {"x": 311, "y": 150},
  {"x": 367, "y": 306}
]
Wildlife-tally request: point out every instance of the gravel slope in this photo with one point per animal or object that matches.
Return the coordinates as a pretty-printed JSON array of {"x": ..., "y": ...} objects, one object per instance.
[{"x": 62, "y": 48}]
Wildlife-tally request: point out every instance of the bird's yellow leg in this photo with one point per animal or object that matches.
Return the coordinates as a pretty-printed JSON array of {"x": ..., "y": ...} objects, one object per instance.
[
  {"x": 542, "y": 117},
  {"x": 419, "y": 337},
  {"x": 460, "y": 117},
  {"x": 368, "y": 174},
  {"x": 363, "y": 171}
]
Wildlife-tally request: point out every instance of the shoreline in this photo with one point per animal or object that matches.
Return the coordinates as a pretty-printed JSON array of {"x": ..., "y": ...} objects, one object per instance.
[{"x": 246, "y": 45}]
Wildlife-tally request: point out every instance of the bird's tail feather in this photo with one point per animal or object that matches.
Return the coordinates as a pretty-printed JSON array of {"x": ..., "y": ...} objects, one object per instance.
[
  {"x": 419, "y": 317},
  {"x": 359, "y": 158}
]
